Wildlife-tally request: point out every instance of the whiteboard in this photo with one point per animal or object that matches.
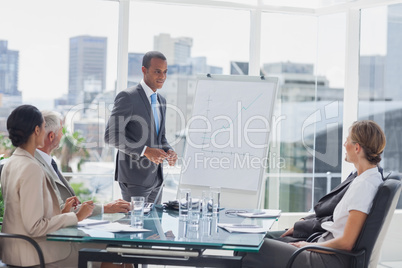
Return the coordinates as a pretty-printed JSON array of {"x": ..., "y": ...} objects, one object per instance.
[{"x": 228, "y": 133}]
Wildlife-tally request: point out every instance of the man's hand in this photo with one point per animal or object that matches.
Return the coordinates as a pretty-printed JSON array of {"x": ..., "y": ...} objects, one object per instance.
[
  {"x": 172, "y": 157},
  {"x": 85, "y": 210},
  {"x": 71, "y": 202},
  {"x": 289, "y": 232},
  {"x": 155, "y": 155},
  {"x": 118, "y": 205}
]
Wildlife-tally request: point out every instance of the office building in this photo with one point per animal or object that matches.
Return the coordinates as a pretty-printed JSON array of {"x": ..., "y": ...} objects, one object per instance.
[
  {"x": 393, "y": 83},
  {"x": 9, "y": 68},
  {"x": 371, "y": 79},
  {"x": 238, "y": 68},
  {"x": 134, "y": 75},
  {"x": 177, "y": 50},
  {"x": 289, "y": 68},
  {"x": 87, "y": 68},
  {"x": 297, "y": 82},
  {"x": 200, "y": 66}
]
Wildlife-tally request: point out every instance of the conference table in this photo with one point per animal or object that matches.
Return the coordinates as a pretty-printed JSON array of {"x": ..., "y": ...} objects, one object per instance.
[{"x": 169, "y": 240}]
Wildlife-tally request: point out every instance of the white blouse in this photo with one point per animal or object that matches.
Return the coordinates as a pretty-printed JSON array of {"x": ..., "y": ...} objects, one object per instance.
[{"x": 359, "y": 197}]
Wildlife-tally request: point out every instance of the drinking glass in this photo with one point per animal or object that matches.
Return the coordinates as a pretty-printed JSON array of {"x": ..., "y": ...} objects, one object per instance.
[
  {"x": 206, "y": 203},
  {"x": 194, "y": 214},
  {"x": 216, "y": 196},
  {"x": 137, "y": 212},
  {"x": 184, "y": 203}
]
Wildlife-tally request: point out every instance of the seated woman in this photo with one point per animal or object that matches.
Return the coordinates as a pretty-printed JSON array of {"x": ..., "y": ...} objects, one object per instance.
[
  {"x": 31, "y": 205},
  {"x": 364, "y": 145}
]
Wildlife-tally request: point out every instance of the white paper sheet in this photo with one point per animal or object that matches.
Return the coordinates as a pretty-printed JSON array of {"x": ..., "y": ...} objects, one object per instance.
[
  {"x": 265, "y": 213},
  {"x": 239, "y": 228}
]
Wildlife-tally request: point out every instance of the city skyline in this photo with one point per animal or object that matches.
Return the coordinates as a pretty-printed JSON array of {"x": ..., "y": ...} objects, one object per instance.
[{"x": 42, "y": 37}]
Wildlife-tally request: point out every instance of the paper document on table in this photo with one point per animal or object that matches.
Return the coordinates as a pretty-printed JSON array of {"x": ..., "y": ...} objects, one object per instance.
[
  {"x": 242, "y": 228},
  {"x": 88, "y": 222},
  {"x": 264, "y": 213},
  {"x": 115, "y": 227}
]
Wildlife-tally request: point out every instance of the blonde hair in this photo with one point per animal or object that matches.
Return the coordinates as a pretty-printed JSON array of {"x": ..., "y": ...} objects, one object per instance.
[{"x": 369, "y": 135}]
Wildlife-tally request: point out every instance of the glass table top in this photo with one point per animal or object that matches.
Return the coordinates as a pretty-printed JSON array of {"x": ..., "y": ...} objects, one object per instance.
[{"x": 165, "y": 229}]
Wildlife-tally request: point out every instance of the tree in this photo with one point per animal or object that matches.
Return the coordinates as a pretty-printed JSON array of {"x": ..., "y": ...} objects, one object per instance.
[
  {"x": 6, "y": 147},
  {"x": 6, "y": 150},
  {"x": 71, "y": 146}
]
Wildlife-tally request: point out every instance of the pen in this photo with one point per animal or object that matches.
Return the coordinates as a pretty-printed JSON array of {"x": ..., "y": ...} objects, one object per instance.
[
  {"x": 258, "y": 213},
  {"x": 245, "y": 226}
]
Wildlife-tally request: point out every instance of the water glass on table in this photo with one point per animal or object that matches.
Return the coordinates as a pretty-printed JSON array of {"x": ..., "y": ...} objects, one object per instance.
[
  {"x": 137, "y": 212},
  {"x": 215, "y": 196},
  {"x": 193, "y": 222},
  {"x": 206, "y": 205},
  {"x": 184, "y": 203},
  {"x": 194, "y": 214}
]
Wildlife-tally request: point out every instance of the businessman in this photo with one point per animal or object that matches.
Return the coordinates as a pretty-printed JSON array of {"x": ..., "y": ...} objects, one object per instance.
[
  {"x": 136, "y": 128},
  {"x": 53, "y": 128}
]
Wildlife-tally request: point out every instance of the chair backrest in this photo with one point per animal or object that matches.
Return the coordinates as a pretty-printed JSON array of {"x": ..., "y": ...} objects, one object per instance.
[{"x": 376, "y": 225}]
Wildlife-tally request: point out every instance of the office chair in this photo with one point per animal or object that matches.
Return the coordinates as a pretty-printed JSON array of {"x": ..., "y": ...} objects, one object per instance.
[
  {"x": 31, "y": 241},
  {"x": 366, "y": 251}
]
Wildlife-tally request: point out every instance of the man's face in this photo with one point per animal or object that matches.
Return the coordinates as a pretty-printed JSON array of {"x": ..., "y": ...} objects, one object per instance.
[
  {"x": 155, "y": 75},
  {"x": 57, "y": 138},
  {"x": 42, "y": 134}
]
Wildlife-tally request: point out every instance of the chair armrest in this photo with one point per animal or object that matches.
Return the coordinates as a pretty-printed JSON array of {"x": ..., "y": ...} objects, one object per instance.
[
  {"x": 314, "y": 237},
  {"x": 321, "y": 248},
  {"x": 32, "y": 242}
]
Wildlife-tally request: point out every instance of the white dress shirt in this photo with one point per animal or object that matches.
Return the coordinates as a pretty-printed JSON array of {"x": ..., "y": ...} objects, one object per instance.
[
  {"x": 148, "y": 91},
  {"x": 359, "y": 197},
  {"x": 48, "y": 160}
]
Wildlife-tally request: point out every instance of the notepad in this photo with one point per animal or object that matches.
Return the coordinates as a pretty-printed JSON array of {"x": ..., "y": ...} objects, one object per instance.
[
  {"x": 242, "y": 228},
  {"x": 265, "y": 213}
]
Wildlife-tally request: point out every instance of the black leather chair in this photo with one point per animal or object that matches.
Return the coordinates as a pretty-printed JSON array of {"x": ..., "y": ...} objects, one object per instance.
[{"x": 367, "y": 249}]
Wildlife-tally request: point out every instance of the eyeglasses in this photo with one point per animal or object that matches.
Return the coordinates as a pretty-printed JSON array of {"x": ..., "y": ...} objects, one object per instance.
[{"x": 231, "y": 212}]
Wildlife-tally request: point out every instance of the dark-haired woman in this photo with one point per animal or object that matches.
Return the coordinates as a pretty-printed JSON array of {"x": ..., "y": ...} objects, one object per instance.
[
  {"x": 31, "y": 205},
  {"x": 364, "y": 146}
]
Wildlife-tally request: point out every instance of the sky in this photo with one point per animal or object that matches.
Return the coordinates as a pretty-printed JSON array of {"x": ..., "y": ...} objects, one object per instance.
[{"x": 40, "y": 31}]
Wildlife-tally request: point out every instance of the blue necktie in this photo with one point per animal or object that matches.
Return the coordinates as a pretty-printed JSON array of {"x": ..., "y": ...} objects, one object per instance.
[{"x": 155, "y": 112}]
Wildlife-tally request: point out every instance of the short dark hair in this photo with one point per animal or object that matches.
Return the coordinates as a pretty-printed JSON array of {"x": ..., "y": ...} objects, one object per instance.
[
  {"x": 146, "y": 60},
  {"x": 22, "y": 123}
]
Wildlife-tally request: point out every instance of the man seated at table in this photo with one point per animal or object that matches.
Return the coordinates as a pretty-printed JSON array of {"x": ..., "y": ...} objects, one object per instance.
[{"x": 53, "y": 134}]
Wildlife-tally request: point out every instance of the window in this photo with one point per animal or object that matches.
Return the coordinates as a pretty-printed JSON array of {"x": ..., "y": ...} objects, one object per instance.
[
  {"x": 47, "y": 36},
  {"x": 307, "y": 54},
  {"x": 380, "y": 83},
  {"x": 196, "y": 42}
]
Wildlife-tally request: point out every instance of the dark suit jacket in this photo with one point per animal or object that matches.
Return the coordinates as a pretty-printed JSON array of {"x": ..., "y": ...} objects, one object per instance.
[
  {"x": 324, "y": 210},
  {"x": 131, "y": 127}
]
